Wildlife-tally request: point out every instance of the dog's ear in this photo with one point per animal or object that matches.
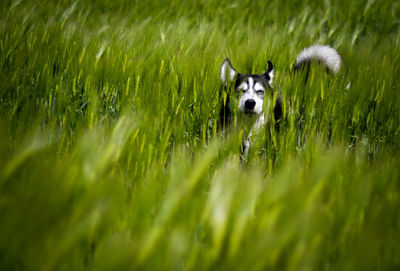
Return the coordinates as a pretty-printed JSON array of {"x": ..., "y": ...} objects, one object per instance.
[
  {"x": 269, "y": 73},
  {"x": 228, "y": 73}
]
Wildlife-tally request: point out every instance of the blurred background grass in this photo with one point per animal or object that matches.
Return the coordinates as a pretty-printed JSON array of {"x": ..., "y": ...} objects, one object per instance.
[{"x": 111, "y": 157}]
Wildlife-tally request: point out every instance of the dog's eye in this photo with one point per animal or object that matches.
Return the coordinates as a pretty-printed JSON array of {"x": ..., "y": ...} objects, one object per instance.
[{"x": 260, "y": 92}]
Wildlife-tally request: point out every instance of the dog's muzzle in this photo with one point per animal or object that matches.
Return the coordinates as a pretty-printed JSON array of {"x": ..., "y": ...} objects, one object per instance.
[{"x": 249, "y": 105}]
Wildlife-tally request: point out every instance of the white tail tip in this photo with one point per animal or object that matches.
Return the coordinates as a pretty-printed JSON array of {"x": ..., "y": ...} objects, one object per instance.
[{"x": 323, "y": 53}]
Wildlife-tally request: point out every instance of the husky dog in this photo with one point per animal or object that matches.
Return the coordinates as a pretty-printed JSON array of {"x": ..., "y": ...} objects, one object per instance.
[{"x": 252, "y": 88}]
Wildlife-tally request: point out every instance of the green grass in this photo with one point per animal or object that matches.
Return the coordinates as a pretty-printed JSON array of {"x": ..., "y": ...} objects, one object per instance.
[{"x": 111, "y": 157}]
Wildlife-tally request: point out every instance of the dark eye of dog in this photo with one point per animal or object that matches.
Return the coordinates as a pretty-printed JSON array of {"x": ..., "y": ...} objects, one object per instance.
[{"x": 260, "y": 92}]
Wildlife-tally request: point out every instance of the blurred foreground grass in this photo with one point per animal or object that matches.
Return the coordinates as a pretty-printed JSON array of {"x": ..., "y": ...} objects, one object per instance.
[{"x": 111, "y": 157}]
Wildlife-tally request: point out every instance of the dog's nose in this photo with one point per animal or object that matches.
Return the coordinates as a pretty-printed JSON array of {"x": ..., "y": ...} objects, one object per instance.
[{"x": 249, "y": 104}]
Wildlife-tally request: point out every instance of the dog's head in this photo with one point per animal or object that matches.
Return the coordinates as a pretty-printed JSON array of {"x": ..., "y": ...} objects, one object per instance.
[{"x": 250, "y": 88}]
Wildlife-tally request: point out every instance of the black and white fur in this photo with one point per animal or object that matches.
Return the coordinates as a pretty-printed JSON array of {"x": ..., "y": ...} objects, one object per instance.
[{"x": 252, "y": 88}]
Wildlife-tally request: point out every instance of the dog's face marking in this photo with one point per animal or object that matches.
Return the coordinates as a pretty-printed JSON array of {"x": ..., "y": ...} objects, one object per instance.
[
  {"x": 250, "y": 88},
  {"x": 251, "y": 93}
]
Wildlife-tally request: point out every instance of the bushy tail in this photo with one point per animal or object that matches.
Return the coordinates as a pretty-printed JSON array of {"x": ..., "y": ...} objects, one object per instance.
[{"x": 321, "y": 54}]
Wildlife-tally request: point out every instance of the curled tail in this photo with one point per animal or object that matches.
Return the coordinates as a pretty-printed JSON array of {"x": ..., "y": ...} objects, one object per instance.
[{"x": 321, "y": 54}]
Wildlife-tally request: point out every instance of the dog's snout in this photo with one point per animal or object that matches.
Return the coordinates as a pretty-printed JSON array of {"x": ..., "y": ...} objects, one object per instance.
[{"x": 249, "y": 104}]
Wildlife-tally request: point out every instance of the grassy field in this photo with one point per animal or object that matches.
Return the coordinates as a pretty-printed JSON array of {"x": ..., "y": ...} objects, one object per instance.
[{"x": 111, "y": 157}]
